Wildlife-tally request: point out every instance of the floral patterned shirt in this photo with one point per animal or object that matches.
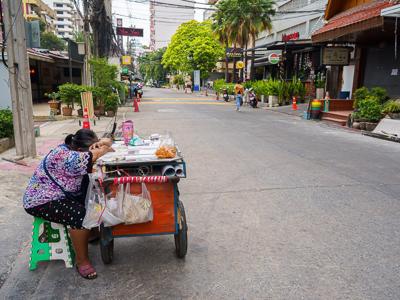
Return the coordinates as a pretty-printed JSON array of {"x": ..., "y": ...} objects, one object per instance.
[{"x": 67, "y": 168}]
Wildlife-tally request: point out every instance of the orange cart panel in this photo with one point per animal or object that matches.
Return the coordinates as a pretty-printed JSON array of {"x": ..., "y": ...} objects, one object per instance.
[{"x": 164, "y": 206}]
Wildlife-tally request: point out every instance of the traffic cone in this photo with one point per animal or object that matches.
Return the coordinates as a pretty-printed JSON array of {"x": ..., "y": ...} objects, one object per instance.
[
  {"x": 136, "y": 104},
  {"x": 294, "y": 103},
  {"x": 86, "y": 122}
]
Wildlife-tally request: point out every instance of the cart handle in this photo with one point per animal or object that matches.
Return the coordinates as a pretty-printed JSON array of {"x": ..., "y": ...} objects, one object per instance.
[{"x": 145, "y": 179}]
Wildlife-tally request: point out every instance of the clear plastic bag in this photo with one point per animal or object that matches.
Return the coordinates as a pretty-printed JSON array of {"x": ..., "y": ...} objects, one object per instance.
[
  {"x": 137, "y": 208},
  {"x": 113, "y": 213},
  {"x": 94, "y": 206}
]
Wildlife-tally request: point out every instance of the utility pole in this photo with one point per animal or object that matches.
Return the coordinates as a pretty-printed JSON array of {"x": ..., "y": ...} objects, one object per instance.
[
  {"x": 87, "y": 79},
  {"x": 20, "y": 82}
]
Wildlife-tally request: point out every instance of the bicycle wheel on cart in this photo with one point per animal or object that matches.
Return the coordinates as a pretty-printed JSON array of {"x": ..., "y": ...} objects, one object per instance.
[
  {"x": 181, "y": 242},
  {"x": 106, "y": 246}
]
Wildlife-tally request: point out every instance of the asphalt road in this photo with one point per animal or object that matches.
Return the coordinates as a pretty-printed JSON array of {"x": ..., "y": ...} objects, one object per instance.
[{"x": 278, "y": 208}]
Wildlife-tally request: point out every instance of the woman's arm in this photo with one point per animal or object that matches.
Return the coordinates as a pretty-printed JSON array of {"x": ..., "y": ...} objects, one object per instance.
[
  {"x": 102, "y": 142},
  {"x": 100, "y": 151}
]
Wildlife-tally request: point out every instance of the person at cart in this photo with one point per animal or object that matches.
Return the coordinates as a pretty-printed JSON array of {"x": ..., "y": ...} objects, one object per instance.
[{"x": 57, "y": 190}]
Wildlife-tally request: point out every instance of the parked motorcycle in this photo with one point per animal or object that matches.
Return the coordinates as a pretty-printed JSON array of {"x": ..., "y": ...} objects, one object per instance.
[
  {"x": 252, "y": 99},
  {"x": 225, "y": 95}
]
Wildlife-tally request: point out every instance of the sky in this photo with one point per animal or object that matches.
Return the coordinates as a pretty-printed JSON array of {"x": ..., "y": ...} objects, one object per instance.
[{"x": 138, "y": 14}]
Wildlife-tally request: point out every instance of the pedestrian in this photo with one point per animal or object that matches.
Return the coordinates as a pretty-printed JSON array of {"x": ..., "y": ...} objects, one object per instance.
[
  {"x": 57, "y": 189},
  {"x": 239, "y": 90}
]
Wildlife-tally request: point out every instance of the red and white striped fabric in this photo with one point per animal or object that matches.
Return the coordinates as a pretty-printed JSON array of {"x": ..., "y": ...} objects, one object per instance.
[{"x": 139, "y": 179}]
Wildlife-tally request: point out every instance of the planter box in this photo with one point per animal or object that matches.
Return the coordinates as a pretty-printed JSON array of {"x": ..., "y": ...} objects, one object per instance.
[
  {"x": 273, "y": 101},
  {"x": 6, "y": 143}
]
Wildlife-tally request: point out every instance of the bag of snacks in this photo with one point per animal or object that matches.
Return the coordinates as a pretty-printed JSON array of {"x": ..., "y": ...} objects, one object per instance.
[
  {"x": 137, "y": 208},
  {"x": 167, "y": 148}
]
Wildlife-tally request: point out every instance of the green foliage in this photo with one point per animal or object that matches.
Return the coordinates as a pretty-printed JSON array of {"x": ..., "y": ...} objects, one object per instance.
[
  {"x": 237, "y": 22},
  {"x": 178, "y": 80},
  {"x": 391, "y": 106},
  {"x": 49, "y": 40},
  {"x": 111, "y": 102},
  {"x": 320, "y": 80},
  {"x": 283, "y": 91},
  {"x": 6, "y": 123},
  {"x": 70, "y": 93},
  {"x": 150, "y": 66},
  {"x": 260, "y": 88},
  {"x": 193, "y": 47},
  {"x": 53, "y": 96},
  {"x": 78, "y": 36},
  {"x": 370, "y": 109},
  {"x": 362, "y": 93},
  {"x": 220, "y": 85},
  {"x": 380, "y": 93}
]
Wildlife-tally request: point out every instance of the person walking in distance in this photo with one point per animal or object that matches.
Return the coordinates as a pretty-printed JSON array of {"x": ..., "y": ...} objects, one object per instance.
[{"x": 239, "y": 90}]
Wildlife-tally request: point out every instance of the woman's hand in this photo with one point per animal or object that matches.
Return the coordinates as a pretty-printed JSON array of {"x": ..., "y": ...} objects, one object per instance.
[
  {"x": 102, "y": 142},
  {"x": 100, "y": 151}
]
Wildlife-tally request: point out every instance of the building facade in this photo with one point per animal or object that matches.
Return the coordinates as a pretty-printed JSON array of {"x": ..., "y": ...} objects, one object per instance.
[
  {"x": 68, "y": 20},
  {"x": 166, "y": 18},
  {"x": 38, "y": 10}
]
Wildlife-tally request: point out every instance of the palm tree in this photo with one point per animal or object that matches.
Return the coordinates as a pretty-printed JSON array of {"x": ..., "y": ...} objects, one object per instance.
[
  {"x": 244, "y": 20},
  {"x": 219, "y": 26}
]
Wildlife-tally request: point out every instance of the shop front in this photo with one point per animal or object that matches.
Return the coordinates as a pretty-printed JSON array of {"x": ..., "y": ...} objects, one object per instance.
[{"x": 370, "y": 37}]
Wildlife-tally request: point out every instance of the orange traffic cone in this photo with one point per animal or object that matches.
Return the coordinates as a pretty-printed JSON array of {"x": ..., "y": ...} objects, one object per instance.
[
  {"x": 294, "y": 103},
  {"x": 136, "y": 104},
  {"x": 86, "y": 122}
]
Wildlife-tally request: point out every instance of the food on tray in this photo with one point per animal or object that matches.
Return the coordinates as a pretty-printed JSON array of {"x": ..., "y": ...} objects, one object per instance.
[{"x": 166, "y": 152}]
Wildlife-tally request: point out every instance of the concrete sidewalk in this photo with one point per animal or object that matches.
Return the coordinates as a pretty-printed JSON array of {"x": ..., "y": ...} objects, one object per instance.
[{"x": 15, "y": 224}]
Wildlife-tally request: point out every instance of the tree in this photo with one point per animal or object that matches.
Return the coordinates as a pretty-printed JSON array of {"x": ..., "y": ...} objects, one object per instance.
[
  {"x": 244, "y": 20},
  {"x": 193, "y": 47},
  {"x": 150, "y": 66},
  {"x": 49, "y": 40}
]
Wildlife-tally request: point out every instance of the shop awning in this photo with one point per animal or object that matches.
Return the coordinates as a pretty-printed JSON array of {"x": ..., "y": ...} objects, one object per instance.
[{"x": 359, "y": 18}]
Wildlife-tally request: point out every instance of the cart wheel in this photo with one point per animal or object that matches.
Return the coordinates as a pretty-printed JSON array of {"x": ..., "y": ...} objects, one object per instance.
[
  {"x": 106, "y": 246},
  {"x": 181, "y": 237},
  {"x": 107, "y": 251}
]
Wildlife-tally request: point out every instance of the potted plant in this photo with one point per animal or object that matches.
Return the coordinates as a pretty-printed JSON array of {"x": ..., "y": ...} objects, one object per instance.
[
  {"x": 319, "y": 83},
  {"x": 370, "y": 110},
  {"x": 69, "y": 94},
  {"x": 54, "y": 104},
  {"x": 392, "y": 109},
  {"x": 111, "y": 104},
  {"x": 272, "y": 89}
]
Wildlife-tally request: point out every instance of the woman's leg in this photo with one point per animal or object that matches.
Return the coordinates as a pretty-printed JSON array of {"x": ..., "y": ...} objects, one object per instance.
[{"x": 80, "y": 239}]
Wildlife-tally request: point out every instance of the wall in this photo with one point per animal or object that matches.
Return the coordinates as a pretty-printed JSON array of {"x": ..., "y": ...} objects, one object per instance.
[{"x": 378, "y": 69}]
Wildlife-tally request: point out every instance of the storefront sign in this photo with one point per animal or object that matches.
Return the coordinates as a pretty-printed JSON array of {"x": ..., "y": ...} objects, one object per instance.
[
  {"x": 240, "y": 65},
  {"x": 291, "y": 37},
  {"x": 274, "y": 58},
  {"x": 234, "y": 52},
  {"x": 126, "y": 60},
  {"x": 336, "y": 56},
  {"x": 129, "y": 31}
]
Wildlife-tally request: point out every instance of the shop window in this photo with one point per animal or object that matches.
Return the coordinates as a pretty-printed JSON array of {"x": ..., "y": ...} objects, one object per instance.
[
  {"x": 60, "y": 26},
  {"x": 60, "y": 19},
  {"x": 59, "y": 5},
  {"x": 60, "y": 12}
]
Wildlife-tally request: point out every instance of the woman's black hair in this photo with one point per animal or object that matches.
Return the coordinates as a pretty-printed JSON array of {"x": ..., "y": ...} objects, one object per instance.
[{"x": 81, "y": 140}]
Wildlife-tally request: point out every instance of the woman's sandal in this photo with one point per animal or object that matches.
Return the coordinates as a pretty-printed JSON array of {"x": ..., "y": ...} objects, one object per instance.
[{"x": 87, "y": 271}]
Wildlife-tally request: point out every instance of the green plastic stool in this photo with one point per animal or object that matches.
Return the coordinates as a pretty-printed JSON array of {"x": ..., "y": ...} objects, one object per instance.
[{"x": 50, "y": 241}]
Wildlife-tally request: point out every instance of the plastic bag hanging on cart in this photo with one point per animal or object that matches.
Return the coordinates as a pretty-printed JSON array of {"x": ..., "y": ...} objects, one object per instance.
[
  {"x": 113, "y": 213},
  {"x": 94, "y": 205},
  {"x": 137, "y": 208}
]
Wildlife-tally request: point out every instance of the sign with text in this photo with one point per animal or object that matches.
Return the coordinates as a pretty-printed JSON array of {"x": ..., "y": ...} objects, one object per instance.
[
  {"x": 336, "y": 56},
  {"x": 234, "y": 52},
  {"x": 291, "y": 37},
  {"x": 274, "y": 58},
  {"x": 125, "y": 31}
]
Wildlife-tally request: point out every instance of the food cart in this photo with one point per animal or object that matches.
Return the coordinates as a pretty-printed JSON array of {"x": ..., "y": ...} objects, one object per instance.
[{"x": 162, "y": 183}]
